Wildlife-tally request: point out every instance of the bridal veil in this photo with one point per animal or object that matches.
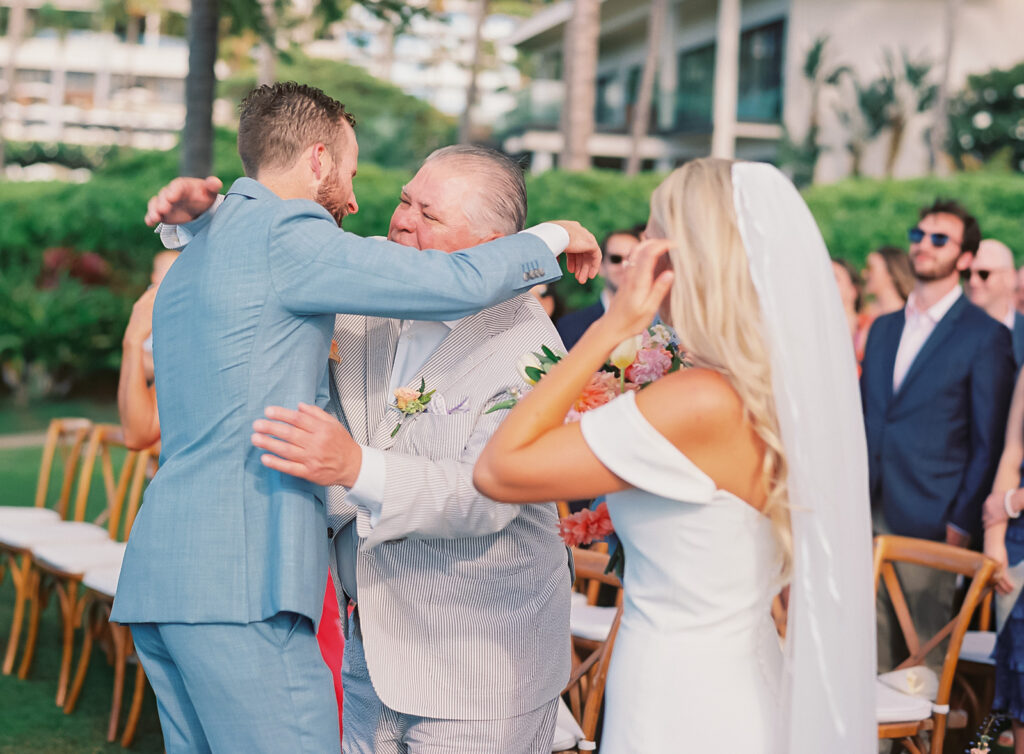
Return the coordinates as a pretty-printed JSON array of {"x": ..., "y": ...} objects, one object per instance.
[{"x": 828, "y": 678}]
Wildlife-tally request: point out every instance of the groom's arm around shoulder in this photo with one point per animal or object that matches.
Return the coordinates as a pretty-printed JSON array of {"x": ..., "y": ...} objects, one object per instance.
[
  {"x": 429, "y": 498},
  {"x": 317, "y": 268}
]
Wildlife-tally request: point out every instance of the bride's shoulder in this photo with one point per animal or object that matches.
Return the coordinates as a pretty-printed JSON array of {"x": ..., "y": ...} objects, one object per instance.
[{"x": 695, "y": 402}]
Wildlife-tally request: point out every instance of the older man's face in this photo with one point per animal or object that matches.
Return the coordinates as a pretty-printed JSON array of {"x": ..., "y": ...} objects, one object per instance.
[
  {"x": 996, "y": 290},
  {"x": 431, "y": 213}
]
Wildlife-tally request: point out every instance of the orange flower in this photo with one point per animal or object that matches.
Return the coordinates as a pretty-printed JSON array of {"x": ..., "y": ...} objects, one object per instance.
[{"x": 335, "y": 354}]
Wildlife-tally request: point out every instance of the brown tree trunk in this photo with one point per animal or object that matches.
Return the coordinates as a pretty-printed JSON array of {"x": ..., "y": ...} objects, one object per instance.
[
  {"x": 642, "y": 114},
  {"x": 580, "y": 77},
  {"x": 200, "y": 86},
  {"x": 266, "y": 55},
  {"x": 466, "y": 121}
]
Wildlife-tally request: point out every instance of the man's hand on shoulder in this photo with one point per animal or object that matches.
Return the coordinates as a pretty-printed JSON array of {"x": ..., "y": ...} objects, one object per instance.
[
  {"x": 308, "y": 443},
  {"x": 182, "y": 200},
  {"x": 583, "y": 254}
]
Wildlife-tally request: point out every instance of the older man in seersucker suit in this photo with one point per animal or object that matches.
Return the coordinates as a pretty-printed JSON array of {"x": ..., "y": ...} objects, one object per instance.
[{"x": 459, "y": 640}]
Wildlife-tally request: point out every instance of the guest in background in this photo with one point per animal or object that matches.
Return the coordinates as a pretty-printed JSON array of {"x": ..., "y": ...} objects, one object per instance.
[
  {"x": 936, "y": 384},
  {"x": 850, "y": 285},
  {"x": 991, "y": 283},
  {"x": 888, "y": 280},
  {"x": 1020, "y": 290},
  {"x": 617, "y": 246},
  {"x": 1004, "y": 543}
]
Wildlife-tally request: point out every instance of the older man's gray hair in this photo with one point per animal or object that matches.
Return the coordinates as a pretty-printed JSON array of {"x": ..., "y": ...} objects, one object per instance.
[{"x": 502, "y": 208}]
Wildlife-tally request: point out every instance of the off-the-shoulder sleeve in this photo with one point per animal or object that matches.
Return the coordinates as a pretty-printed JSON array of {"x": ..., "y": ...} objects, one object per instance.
[{"x": 626, "y": 443}]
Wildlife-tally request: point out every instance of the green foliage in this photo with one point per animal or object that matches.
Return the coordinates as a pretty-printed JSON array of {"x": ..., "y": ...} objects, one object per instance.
[
  {"x": 395, "y": 129},
  {"x": 986, "y": 120},
  {"x": 857, "y": 216},
  {"x": 72, "y": 156},
  {"x": 51, "y": 339}
]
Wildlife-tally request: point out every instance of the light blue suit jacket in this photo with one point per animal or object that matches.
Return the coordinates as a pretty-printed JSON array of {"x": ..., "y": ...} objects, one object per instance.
[{"x": 242, "y": 321}]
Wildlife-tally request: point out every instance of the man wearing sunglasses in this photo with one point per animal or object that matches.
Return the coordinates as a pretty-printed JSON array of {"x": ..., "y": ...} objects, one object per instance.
[
  {"x": 616, "y": 248},
  {"x": 991, "y": 283},
  {"x": 936, "y": 385}
]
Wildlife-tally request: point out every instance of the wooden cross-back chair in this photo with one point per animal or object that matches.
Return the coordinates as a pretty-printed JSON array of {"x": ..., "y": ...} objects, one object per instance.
[
  {"x": 94, "y": 610},
  {"x": 584, "y": 693},
  {"x": 62, "y": 450},
  {"x": 973, "y": 566},
  {"x": 54, "y": 573}
]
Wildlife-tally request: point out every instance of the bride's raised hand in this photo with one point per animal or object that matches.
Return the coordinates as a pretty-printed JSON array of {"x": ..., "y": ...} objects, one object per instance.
[{"x": 644, "y": 285}]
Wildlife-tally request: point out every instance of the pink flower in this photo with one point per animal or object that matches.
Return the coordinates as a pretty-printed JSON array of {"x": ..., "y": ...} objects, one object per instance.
[
  {"x": 586, "y": 526},
  {"x": 603, "y": 386},
  {"x": 404, "y": 396},
  {"x": 650, "y": 364}
]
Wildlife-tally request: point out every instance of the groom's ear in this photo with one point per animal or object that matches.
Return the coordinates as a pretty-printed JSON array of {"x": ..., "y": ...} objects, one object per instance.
[{"x": 317, "y": 153}]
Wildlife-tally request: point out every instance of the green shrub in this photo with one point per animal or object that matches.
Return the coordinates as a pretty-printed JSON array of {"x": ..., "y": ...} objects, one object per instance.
[
  {"x": 986, "y": 119},
  {"x": 52, "y": 339},
  {"x": 857, "y": 216}
]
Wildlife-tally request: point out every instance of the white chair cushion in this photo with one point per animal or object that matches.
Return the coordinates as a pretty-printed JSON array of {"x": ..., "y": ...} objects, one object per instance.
[
  {"x": 103, "y": 580},
  {"x": 61, "y": 531},
  {"x": 17, "y": 515},
  {"x": 892, "y": 706},
  {"x": 919, "y": 680},
  {"x": 978, "y": 646},
  {"x": 577, "y": 598},
  {"x": 590, "y": 622},
  {"x": 567, "y": 731},
  {"x": 79, "y": 557}
]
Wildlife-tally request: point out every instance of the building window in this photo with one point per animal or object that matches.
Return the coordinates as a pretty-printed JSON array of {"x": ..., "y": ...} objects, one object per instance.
[
  {"x": 760, "y": 85},
  {"x": 695, "y": 92}
]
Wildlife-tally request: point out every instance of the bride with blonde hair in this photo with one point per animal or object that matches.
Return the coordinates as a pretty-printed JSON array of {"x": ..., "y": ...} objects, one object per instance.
[{"x": 725, "y": 481}]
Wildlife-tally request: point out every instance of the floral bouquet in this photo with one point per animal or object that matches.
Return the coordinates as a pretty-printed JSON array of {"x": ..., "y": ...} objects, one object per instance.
[{"x": 633, "y": 365}]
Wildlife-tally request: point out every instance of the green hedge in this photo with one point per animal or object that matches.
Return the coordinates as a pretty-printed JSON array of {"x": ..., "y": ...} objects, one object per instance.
[{"x": 74, "y": 332}]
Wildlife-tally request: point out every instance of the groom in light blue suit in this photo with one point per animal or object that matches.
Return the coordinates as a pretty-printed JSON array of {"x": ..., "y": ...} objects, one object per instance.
[{"x": 224, "y": 575}]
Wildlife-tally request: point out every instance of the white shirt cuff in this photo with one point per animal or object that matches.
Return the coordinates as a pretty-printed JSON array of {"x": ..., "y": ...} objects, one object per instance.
[
  {"x": 368, "y": 491},
  {"x": 178, "y": 236},
  {"x": 555, "y": 236}
]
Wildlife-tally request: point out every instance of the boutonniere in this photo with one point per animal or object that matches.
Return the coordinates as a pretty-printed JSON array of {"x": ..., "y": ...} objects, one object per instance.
[
  {"x": 335, "y": 354},
  {"x": 410, "y": 402},
  {"x": 532, "y": 366}
]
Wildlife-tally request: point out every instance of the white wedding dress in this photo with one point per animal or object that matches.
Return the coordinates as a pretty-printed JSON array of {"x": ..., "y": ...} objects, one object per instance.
[{"x": 697, "y": 662}]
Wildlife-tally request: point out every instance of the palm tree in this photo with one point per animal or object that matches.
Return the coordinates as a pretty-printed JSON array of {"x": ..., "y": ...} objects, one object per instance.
[
  {"x": 579, "y": 72},
  {"x": 200, "y": 84},
  {"x": 642, "y": 114},
  {"x": 15, "y": 32},
  {"x": 466, "y": 121}
]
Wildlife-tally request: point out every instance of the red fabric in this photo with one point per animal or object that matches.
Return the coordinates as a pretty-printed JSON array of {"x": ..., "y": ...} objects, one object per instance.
[{"x": 332, "y": 642}]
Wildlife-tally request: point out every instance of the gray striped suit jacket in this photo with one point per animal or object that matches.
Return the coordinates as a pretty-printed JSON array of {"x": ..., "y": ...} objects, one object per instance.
[{"x": 463, "y": 602}]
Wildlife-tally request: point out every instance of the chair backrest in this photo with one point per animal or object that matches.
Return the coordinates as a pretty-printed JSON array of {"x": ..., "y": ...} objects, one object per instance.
[
  {"x": 140, "y": 478},
  {"x": 590, "y": 572},
  {"x": 973, "y": 565},
  {"x": 585, "y": 689},
  {"x": 64, "y": 440},
  {"x": 103, "y": 439}
]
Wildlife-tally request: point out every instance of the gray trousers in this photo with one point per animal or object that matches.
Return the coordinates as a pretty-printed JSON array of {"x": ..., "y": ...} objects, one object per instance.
[
  {"x": 371, "y": 727},
  {"x": 929, "y": 594}
]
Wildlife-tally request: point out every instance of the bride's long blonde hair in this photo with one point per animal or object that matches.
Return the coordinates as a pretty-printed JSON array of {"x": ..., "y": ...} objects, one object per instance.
[{"x": 716, "y": 311}]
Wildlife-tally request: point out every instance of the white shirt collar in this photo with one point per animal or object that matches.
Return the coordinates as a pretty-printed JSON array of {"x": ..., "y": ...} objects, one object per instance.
[
  {"x": 1011, "y": 318},
  {"x": 936, "y": 311}
]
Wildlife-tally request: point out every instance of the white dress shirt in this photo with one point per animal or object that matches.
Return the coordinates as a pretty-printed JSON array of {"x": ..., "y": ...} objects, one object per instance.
[{"x": 920, "y": 323}]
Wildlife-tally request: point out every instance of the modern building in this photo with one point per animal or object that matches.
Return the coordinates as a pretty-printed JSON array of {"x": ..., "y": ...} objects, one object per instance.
[
  {"x": 432, "y": 59},
  {"x": 86, "y": 87},
  {"x": 765, "y": 78}
]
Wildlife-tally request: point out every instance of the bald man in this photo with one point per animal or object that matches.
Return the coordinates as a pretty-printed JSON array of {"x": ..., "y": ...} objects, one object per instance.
[{"x": 992, "y": 285}]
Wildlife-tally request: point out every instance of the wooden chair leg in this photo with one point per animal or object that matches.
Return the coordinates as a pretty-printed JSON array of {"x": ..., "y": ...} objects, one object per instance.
[
  {"x": 70, "y": 617},
  {"x": 136, "y": 709},
  {"x": 91, "y": 628},
  {"x": 20, "y": 578},
  {"x": 39, "y": 594},
  {"x": 118, "y": 634}
]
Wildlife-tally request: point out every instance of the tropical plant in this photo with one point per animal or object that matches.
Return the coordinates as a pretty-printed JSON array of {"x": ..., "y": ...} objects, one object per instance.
[
  {"x": 642, "y": 113},
  {"x": 579, "y": 72},
  {"x": 986, "y": 119}
]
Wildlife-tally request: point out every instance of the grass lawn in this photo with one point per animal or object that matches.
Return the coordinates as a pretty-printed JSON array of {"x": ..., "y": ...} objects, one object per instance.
[
  {"x": 29, "y": 719},
  {"x": 35, "y": 417}
]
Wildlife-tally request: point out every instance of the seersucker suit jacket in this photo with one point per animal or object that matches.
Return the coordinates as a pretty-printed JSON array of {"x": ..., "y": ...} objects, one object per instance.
[
  {"x": 243, "y": 320},
  {"x": 463, "y": 602}
]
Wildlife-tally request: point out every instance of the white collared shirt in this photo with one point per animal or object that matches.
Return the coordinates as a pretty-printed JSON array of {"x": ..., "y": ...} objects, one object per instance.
[
  {"x": 918, "y": 326},
  {"x": 1011, "y": 318}
]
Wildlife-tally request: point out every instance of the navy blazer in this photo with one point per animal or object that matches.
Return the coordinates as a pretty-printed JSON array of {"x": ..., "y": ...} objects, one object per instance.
[
  {"x": 1018, "y": 338},
  {"x": 572, "y": 326},
  {"x": 933, "y": 447}
]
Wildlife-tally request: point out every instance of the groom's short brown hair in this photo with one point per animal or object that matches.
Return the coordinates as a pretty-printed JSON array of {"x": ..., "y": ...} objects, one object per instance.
[{"x": 278, "y": 121}]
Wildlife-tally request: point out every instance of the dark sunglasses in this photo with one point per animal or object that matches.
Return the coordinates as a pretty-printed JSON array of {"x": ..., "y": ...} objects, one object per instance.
[
  {"x": 966, "y": 275},
  {"x": 916, "y": 235},
  {"x": 615, "y": 258}
]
